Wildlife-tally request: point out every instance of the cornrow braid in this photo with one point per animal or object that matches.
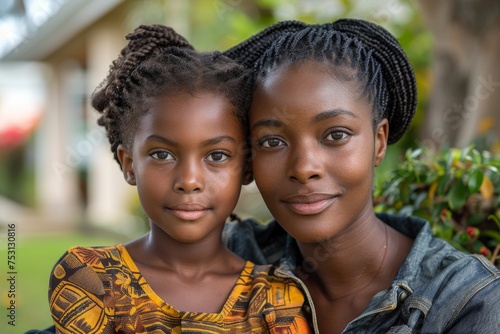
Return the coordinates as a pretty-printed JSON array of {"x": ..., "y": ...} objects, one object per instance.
[
  {"x": 348, "y": 44},
  {"x": 396, "y": 71},
  {"x": 248, "y": 51},
  {"x": 157, "y": 61}
]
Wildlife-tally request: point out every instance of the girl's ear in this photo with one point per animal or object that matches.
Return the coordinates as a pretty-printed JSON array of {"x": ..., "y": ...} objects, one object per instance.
[
  {"x": 127, "y": 164},
  {"x": 381, "y": 136},
  {"x": 247, "y": 174}
]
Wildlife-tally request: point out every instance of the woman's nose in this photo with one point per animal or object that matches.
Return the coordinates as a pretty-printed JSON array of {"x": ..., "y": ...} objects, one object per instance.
[{"x": 304, "y": 163}]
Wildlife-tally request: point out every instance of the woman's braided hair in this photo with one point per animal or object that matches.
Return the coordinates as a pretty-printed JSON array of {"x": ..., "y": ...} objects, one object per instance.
[
  {"x": 347, "y": 44},
  {"x": 157, "y": 61}
]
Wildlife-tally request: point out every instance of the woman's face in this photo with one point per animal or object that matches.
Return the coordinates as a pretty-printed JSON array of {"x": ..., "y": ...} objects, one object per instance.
[{"x": 314, "y": 150}]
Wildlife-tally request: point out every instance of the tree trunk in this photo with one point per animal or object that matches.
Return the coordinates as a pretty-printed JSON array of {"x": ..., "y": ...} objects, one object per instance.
[{"x": 465, "y": 99}]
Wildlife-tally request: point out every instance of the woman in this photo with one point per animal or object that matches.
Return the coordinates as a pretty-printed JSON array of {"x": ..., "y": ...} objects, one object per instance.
[{"x": 327, "y": 101}]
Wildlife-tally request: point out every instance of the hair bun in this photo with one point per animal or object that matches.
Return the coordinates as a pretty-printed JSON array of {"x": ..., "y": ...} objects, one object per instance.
[{"x": 155, "y": 35}]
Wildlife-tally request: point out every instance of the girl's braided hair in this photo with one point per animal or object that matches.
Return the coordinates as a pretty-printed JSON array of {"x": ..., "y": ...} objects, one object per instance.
[
  {"x": 157, "y": 61},
  {"x": 371, "y": 51}
]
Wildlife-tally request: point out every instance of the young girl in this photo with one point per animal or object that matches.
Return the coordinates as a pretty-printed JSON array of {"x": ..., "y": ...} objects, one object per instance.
[
  {"x": 327, "y": 101},
  {"x": 176, "y": 123}
]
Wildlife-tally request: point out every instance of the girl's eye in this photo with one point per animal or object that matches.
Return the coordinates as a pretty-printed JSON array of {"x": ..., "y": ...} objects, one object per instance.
[
  {"x": 217, "y": 157},
  {"x": 162, "y": 155},
  {"x": 336, "y": 135},
  {"x": 272, "y": 142}
]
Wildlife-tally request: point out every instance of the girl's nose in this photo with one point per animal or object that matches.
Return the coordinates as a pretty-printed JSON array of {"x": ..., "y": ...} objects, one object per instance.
[{"x": 189, "y": 178}]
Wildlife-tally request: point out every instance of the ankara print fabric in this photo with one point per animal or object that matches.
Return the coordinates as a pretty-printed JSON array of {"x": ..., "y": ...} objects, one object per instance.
[{"x": 100, "y": 290}]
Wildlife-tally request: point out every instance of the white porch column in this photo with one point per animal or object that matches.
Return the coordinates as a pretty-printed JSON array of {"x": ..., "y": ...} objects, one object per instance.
[
  {"x": 56, "y": 183},
  {"x": 109, "y": 196}
]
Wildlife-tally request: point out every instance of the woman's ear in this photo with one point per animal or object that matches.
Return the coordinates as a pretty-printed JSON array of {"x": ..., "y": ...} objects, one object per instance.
[
  {"x": 127, "y": 164},
  {"x": 381, "y": 136}
]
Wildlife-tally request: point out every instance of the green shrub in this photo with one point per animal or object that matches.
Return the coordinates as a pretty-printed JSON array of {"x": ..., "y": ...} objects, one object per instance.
[{"x": 457, "y": 191}]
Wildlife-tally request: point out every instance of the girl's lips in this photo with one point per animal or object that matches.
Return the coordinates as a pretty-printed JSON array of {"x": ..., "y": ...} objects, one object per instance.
[
  {"x": 309, "y": 204},
  {"x": 189, "y": 214},
  {"x": 188, "y": 211}
]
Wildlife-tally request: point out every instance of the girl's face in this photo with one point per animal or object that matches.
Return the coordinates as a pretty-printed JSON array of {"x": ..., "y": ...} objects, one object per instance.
[
  {"x": 314, "y": 150},
  {"x": 188, "y": 163}
]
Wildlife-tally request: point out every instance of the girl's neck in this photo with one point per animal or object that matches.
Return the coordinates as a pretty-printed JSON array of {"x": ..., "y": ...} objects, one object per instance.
[
  {"x": 196, "y": 277},
  {"x": 156, "y": 249}
]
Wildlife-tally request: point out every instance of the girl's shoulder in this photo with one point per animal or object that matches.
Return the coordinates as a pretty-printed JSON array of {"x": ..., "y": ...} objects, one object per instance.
[
  {"x": 101, "y": 256},
  {"x": 86, "y": 267},
  {"x": 277, "y": 286},
  {"x": 279, "y": 300}
]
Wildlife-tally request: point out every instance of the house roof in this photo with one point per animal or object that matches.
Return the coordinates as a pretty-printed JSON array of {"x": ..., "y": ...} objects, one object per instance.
[{"x": 71, "y": 18}]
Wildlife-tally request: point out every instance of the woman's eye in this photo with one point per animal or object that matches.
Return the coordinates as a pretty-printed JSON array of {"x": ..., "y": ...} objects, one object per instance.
[
  {"x": 271, "y": 142},
  {"x": 336, "y": 135},
  {"x": 162, "y": 155},
  {"x": 217, "y": 157}
]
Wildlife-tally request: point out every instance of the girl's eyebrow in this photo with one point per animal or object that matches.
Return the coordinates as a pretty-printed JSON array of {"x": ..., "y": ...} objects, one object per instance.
[
  {"x": 207, "y": 142},
  {"x": 217, "y": 140},
  {"x": 161, "y": 139},
  {"x": 333, "y": 113}
]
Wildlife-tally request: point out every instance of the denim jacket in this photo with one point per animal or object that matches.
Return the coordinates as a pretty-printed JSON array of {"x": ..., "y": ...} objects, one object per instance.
[{"x": 438, "y": 289}]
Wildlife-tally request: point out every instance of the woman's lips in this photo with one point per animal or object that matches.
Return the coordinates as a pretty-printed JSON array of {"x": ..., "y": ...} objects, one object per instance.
[
  {"x": 309, "y": 204},
  {"x": 189, "y": 211}
]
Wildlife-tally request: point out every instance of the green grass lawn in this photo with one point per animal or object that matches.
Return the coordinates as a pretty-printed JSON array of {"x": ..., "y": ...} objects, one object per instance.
[{"x": 35, "y": 257}]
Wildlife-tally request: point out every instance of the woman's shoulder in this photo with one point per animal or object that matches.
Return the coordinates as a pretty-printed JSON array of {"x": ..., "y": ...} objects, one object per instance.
[{"x": 465, "y": 294}]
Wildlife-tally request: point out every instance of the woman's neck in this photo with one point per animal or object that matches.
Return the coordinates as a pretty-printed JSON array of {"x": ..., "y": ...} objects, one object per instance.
[{"x": 349, "y": 263}]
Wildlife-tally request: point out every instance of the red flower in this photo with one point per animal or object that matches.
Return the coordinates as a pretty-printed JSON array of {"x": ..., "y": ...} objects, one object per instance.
[
  {"x": 484, "y": 251},
  {"x": 472, "y": 231}
]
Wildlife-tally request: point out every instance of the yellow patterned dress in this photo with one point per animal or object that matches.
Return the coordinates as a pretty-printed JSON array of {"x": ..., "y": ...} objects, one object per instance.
[{"x": 100, "y": 290}]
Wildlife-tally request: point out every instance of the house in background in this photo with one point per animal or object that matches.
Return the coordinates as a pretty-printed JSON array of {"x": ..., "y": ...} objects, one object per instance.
[
  {"x": 76, "y": 180},
  {"x": 75, "y": 176}
]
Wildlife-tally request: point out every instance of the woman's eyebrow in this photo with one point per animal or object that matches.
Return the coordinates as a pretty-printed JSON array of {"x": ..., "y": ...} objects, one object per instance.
[
  {"x": 267, "y": 122},
  {"x": 333, "y": 113}
]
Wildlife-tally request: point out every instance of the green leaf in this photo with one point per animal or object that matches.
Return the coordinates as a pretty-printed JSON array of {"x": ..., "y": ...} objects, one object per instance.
[
  {"x": 495, "y": 219},
  {"x": 443, "y": 183},
  {"x": 454, "y": 156},
  {"x": 476, "y": 157},
  {"x": 466, "y": 152},
  {"x": 493, "y": 169},
  {"x": 458, "y": 195},
  {"x": 491, "y": 234},
  {"x": 475, "y": 181},
  {"x": 461, "y": 238},
  {"x": 413, "y": 154}
]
